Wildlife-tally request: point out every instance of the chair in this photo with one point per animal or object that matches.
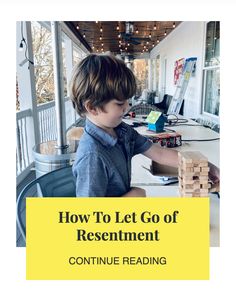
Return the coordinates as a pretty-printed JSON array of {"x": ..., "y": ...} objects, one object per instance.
[
  {"x": 58, "y": 183},
  {"x": 164, "y": 104}
]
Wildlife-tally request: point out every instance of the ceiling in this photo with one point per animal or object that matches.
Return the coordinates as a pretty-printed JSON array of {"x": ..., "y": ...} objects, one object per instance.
[{"x": 122, "y": 37}]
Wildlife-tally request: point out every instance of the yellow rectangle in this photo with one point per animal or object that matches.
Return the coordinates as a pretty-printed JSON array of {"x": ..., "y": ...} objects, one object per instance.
[{"x": 117, "y": 238}]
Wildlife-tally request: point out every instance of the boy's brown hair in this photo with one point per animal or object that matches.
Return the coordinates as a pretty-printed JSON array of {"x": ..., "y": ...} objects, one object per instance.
[{"x": 97, "y": 79}]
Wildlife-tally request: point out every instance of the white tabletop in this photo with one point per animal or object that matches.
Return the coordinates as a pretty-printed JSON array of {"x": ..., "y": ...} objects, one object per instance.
[
  {"x": 191, "y": 130},
  {"x": 142, "y": 177}
]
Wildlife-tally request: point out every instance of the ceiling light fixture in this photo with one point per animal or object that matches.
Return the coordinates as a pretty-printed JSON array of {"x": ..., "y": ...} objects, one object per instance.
[{"x": 23, "y": 43}]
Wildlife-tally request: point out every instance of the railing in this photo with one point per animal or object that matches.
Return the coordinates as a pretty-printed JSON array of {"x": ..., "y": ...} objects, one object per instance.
[
  {"x": 22, "y": 143},
  {"x": 47, "y": 121},
  {"x": 47, "y": 130}
]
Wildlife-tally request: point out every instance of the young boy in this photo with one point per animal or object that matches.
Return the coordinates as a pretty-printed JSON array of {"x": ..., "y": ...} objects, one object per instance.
[{"x": 99, "y": 89}]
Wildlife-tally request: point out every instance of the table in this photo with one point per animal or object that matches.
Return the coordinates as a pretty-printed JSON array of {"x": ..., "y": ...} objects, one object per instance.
[{"x": 191, "y": 130}]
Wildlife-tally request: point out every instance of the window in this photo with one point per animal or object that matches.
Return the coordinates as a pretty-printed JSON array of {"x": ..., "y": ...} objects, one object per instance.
[
  {"x": 78, "y": 55},
  {"x": 140, "y": 69},
  {"x": 17, "y": 96},
  {"x": 43, "y": 62},
  {"x": 155, "y": 74},
  {"x": 64, "y": 38},
  {"x": 211, "y": 70}
]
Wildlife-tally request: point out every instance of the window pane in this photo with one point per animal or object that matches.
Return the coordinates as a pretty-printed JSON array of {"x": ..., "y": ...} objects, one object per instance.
[
  {"x": 212, "y": 56},
  {"x": 17, "y": 96},
  {"x": 140, "y": 69},
  {"x": 78, "y": 55},
  {"x": 157, "y": 74},
  {"x": 43, "y": 63},
  {"x": 64, "y": 38},
  {"x": 212, "y": 92}
]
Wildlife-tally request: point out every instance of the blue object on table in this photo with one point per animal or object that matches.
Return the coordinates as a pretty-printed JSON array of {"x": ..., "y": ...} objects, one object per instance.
[{"x": 156, "y": 121}]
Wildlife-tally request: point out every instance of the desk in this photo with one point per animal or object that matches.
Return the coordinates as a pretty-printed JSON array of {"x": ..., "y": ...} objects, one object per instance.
[
  {"x": 142, "y": 178},
  {"x": 208, "y": 148}
]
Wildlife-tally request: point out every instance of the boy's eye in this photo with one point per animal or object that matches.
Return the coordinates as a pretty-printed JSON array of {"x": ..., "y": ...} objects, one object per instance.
[{"x": 120, "y": 104}]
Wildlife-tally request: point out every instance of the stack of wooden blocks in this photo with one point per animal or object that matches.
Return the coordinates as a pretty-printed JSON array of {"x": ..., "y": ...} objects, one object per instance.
[{"x": 193, "y": 174}]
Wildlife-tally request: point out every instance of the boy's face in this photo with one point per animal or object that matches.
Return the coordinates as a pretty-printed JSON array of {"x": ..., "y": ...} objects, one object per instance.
[{"x": 112, "y": 113}]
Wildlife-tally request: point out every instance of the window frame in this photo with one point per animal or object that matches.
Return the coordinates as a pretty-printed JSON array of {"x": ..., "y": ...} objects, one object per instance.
[{"x": 205, "y": 70}]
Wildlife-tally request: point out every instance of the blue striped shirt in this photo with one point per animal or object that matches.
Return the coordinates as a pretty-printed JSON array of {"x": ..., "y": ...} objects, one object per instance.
[{"x": 103, "y": 163}]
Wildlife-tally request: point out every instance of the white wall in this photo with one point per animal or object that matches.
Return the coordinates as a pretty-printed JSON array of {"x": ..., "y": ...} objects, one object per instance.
[{"x": 187, "y": 40}]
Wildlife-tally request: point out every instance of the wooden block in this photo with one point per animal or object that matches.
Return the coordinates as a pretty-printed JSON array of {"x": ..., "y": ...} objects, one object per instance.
[
  {"x": 193, "y": 156},
  {"x": 186, "y": 195},
  {"x": 186, "y": 175},
  {"x": 193, "y": 174},
  {"x": 199, "y": 196},
  {"x": 189, "y": 186},
  {"x": 205, "y": 186},
  {"x": 204, "y": 169},
  {"x": 187, "y": 167},
  {"x": 187, "y": 190},
  {"x": 187, "y": 181}
]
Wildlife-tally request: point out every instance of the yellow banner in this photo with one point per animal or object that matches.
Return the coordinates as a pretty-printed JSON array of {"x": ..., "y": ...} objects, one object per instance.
[{"x": 117, "y": 238}]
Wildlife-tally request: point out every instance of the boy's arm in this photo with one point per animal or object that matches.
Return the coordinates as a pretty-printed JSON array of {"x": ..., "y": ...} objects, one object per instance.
[
  {"x": 135, "y": 192},
  {"x": 162, "y": 156},
  {"x": 169, "y": 157}
]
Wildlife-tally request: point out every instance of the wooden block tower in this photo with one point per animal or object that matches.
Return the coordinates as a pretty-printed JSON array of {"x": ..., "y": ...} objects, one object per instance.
[{"x": 193, "y": 174}]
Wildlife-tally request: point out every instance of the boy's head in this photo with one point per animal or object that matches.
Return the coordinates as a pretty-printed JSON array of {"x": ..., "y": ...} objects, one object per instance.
[{"x": 98, "y": 79}]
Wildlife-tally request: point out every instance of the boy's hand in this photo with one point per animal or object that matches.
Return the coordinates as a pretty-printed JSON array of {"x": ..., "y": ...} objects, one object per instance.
[
  {"x": 214, "y": 174},
  {"x": 135, "y": 192}
]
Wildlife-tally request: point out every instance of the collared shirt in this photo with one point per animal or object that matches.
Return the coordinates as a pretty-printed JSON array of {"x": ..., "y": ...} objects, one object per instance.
[{"x": 103, "y": 163}]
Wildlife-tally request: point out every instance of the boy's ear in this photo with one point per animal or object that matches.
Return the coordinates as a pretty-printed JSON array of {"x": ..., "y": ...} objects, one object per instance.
[{"x": 90, "y": 109}]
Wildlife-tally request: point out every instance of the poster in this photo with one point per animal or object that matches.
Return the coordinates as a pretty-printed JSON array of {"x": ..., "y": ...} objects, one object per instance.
[{"x": 179, "y": 65}]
